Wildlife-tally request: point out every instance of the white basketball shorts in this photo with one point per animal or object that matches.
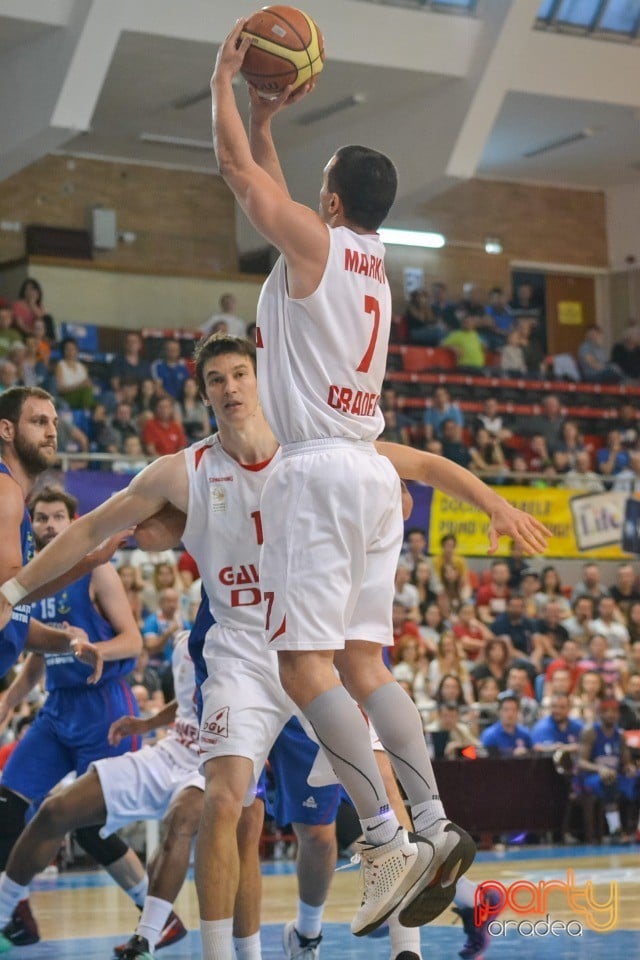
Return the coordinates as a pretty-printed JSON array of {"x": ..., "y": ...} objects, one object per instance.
[{"x": 332, "y": 525}]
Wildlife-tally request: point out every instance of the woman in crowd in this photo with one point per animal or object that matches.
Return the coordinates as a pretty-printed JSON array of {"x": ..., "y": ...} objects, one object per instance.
[
  {"x": 590, "y": 691},
  {"x": 133, "y": 585},
  {"x": 495, "y": 663},
  {"x": 29, "y": 307},
  {"x": 73, "y": 383},
  {"x": 551, "y": 589},
  {"x": 448, "y": 662},
  {"x": 192, "y": 413},
  {"x": 487, "y": 455},
  {"x": 455, "y": 591},
  {"x": 571, "y": 441},
  {"x": 484, "y": 710},
  {"x": 471, "y": 632}
]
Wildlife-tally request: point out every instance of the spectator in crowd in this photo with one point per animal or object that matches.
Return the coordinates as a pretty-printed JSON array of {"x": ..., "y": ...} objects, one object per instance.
[
  {"x": 111, "y": 433},
  {"x": 485, "y": 708},
  {"x": 146, "y": 676},
  {"x": 578, "y": 625},
  {"x": 453, "y": 446},
  {"x": 472, "y": 301},
  {"x": 531, "y": 342},
  {"x": 9, "y": 335},
  {"x": 406, "y": 593},
  {"x": 159, "y": 631},
  {"x": 628, "y": 423},
  {"x": 507, "y": 737},
  {"x": 192, "y": 413},
  {"x": 171, "y": 370},
  {"x": 447, "y": 735},
  {"x": 626, "y": 590},
  {"x": 442, "y": 307},
  {"x": 598, "y": 661},
  {"x": 455, "y": 591},
  {"x": 33, "y": 371},
  {"x": 592, "y": 359},
  {"x": 403, "y": 627},
  {"x": 492, "y": 597},
  {"x": 549, "y": 423},
  {"x": 432, "y": 626},
  {"x": 630, "y": 706},
  {"x": 449, "y": 556},
  {"x": 582, "y": 477},
  {"x": 633, "y": 659},
  {"x": 466, "y": 343},
  {"x": 571, "y": 441},
  {"x": 8, "y": 375},
  {"x": 498, "y": 320},
  {"x": 530, "y": 588},
  {"x": 537, "y": 456},
  {"x": 163, "y": 434},
  {"x": 590, "y": 584},
  {"x": 626, "y": 352},
  {"x": 606, "y": 766},
  {"x": 487, "y": 455},
  {"x": 515, "y": 625},
  {"x": 610, "y": 625},
  {"x": 147, "y": 394},
  {"x": 73, "y": 383},
  {"x": 21, "y": 727},
  {"x": 590, "y": 691},
  {"x": 471, "y": 632},
  {"x": 448, "y": 662},
  {"x": 71, "y": 439},
  {"x": 451, "y": 689},
  {"x": 132, "y": 447},
  {"x": 494, "y": 664},
  {"x": 164, "y": 577},
  {"x": 441, "y": 410},
  {"x": 130, "y": 365},
  {"x": 633, "y": 624},
  {"x": 549, "y": 635},
  {"x": 569, "y": 660},
  {"x": 525, "y": 302},
  {"x": 43, "y": 344},
  {"x": 425, "y": 328},
  {"x": 519, "y": 683},
  {"x": 133, "y": 585},
  {"x": 558, "y": 731},
  {"x": 559, "y": 464},
  {"x": 628, "y": 480},
  {"x": 512, "y": 357},
  {"x": 415, "y": 546},
  {"x": 492, "y": 421},
  {"x": 29, "y": 307},
  {"x": 517, "y": 563},
  {"x": 226, "y": 320},
  {"x": 409, "y": 659},
  {"x": 551, "y": 589},
  {"x": 426, "y": 583},
  {"x": 613, "y": 458}
]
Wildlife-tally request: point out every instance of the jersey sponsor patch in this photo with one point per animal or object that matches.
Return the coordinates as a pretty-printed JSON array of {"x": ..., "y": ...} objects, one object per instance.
[
  {"x": 218, "y": 497},
  {"x": 217, "y": 724},
  {"x": 310, "y": 803}
]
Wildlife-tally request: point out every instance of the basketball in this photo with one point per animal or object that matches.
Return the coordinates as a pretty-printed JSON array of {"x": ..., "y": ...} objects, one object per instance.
[{"x": 287, "y": 48}]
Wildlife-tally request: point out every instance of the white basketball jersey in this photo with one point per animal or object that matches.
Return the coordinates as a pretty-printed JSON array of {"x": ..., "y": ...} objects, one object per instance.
[
  {"x": 224, "y": 526},
  {"x": 186, "y": 728},
  {"x": 322, "y": 360}
]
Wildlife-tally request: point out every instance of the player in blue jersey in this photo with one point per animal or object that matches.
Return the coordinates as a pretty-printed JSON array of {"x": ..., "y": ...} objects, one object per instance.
[
  {"x": 558, "y": 731},
  {"x": 507, "y": 737},
  {"x": 28, "y": 445},
  {"x": 71, "y": 729}
]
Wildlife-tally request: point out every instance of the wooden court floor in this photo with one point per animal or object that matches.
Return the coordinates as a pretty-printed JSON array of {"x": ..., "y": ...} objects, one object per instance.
[{"x": 85, "y": 914}]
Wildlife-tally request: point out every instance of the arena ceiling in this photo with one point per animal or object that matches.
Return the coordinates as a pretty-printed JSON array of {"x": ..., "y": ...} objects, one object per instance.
[{"x": 449, "y": 96}]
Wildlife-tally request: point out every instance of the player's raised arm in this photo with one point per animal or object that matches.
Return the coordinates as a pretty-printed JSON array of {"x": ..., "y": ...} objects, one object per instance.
[
  {"x": 454, "y": 480},
  {"x": 161, "y": 481},
  {"x": 294, "y": 229}
]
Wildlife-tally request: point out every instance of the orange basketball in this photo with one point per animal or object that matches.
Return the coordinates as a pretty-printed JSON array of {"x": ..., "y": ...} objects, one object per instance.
[{"x": 287, "y": 48}]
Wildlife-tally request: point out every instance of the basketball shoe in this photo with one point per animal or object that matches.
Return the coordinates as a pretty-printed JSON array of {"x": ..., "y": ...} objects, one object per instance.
[
  {"x": 453, "y": 852},
  {"x": 174, "y": 930},
  {"x": 137, "y": 948},
  {"x": 22, "y": 929},
  {"x": 478, "y": 938},
  {"x": 297, "y": 947},
  {"x": 389, "y": 874}
]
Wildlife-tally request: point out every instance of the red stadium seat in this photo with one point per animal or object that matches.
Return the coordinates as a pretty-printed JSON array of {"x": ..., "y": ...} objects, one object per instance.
[{"x": 419, "y": 359}]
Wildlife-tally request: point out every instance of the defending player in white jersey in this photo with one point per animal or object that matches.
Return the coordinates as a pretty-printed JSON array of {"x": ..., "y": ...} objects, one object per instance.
[
  {"x": 331, "y": 508},
  {"x": 245, "y": 447}
]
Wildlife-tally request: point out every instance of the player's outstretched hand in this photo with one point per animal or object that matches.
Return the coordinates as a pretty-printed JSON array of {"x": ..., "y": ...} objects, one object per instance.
[
  {"x": 232, "y": 52},
  {"x": 508, "y": 521},
  {"x": 125, "y": 727},
  {"x": 85, "y": 651},
  {"x": 104, "y": 552}
]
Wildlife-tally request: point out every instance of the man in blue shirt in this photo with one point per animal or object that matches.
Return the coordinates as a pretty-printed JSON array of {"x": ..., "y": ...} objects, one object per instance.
[
  {"x": 558, "y": 731},
  {"x": 442, "y": 409},
  {"x": 514, "y": 624},
  {"x": 507, "y": 737},
  {"x": 171, "y": 371}
]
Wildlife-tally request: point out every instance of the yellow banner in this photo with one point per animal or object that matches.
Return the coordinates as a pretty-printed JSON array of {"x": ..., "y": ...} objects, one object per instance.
[{"x": 582, "y": 525}]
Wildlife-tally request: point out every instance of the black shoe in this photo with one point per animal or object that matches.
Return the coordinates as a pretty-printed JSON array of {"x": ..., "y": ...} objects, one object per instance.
[
  {"x": 137, "y": 948},
  {"x": 173, "y": 930},
  {"x": 407, "y": 955},
  {"x": 22, "y": 929}
]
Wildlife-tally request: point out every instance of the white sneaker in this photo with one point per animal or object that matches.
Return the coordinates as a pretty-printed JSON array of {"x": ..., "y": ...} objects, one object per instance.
[
  {"x": 297, "y": 947},
  {"x": 389, "y": 874},
  {"x": 454, "y": 854}
]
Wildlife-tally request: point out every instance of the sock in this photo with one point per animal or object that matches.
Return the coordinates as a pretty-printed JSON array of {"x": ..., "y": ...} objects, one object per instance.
[
  {"x": 11, "y": 893},
  {"x": 153, "y": 919},
  {"x": 403, "y": 938},
  {"x": 613, "y": 820},
  {"x": 217, "y": 939},
  {"x": 426, "y": 815},
  {"x": 343, "y": 733},
  {"x": 309, "y": 920},
  {"x": 465, "y": 895},
  {"x": 139, "y": 893},
  {"x": 248, "y": 948},
  {"x": 398, "y": 724},
  {"x": 381, "y": 828}
]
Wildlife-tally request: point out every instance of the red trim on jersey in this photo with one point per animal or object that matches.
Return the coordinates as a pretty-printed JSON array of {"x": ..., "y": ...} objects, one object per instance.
[
  {"x": 256, "y": 467},
  {"x": 281, "y": 629},
  {"x": 259, "y": 342},
  {"x": 199, "y": 455}
]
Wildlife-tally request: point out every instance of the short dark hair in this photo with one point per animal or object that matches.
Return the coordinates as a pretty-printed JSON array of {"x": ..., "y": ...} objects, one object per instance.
[
  {"x": 13, "y": 400},
  {"x": 366, "y": 182},
  {"x": 50, "y": 494},
  {"x": 448, "y": 536},
  {"x": 218, "y": 345}
]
